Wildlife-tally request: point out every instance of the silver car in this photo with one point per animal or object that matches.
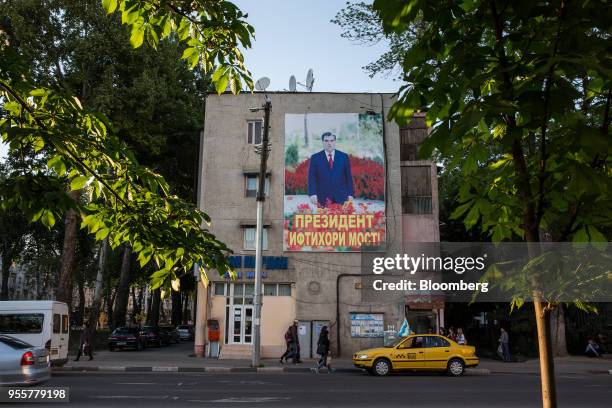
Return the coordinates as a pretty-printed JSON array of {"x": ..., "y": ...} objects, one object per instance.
[{"x": 21, "y": 363}]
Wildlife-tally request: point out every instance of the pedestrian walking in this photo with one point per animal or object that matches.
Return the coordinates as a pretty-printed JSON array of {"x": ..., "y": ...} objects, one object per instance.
[
  {"x": 85, "y": 343},
  {"x": 323, "y": 349},
  {"x": 504, "y": 342},
  {"x": 461, "y": 340},
  {"x": 294, "y": 344},
  {"x": 288, "y": 352}
]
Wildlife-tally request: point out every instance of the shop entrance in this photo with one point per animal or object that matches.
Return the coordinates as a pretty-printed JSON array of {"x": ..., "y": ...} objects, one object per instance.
[
  {"x": 239, "y": 314},
  {"x": 421, "y": 321},
  {"x": 241, "y": 322}
]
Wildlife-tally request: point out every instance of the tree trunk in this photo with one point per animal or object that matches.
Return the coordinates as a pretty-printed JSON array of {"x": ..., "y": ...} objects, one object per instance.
[
  {"x": 557, "y": 330},
  {"x": 140, "y": 303},
  {"x": 97, "y": 297},
  {"x": 81, "y": 310},
  {"x": 6, "y": 265},
  {"x": 153, "y": 317},
  {"x": 134, "y": 304},
  {"x": 64, "y": 287},
  {"x": 123, "y": 290},
  {"x": 547, "y": 365},
  {"x": 185, "y": 314},
  {"x": 176, "y": 307}
]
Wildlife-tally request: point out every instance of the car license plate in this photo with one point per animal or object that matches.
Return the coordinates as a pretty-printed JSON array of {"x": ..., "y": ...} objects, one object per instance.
[
  {"x": 121, "y": 343},
  {"x": 42, "y": 359}
]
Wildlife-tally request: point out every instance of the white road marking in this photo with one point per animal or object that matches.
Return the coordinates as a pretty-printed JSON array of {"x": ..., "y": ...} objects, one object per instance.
[
  {"x": 247, "y": 399},
  {"x": 133, "y": 383},
  {"x": 130, "y": 397}
]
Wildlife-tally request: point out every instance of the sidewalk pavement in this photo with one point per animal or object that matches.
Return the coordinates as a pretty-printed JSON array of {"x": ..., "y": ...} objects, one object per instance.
[{"x": 180, "y": 358}]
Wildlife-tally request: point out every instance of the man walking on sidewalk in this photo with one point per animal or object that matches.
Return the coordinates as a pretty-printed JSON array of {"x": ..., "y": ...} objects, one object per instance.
[
  {"x": 295, "y": 343},
  {"x": 505, "y": 345}
]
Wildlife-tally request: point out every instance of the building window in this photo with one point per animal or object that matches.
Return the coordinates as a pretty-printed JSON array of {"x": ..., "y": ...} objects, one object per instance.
[
  {"x": 284, "y": 289},
  {"x": 416, "y": 190},
  {"x": 219, "y": 289},
  {"x": 254, "y": 131},
  {"x": 249, "y": 238},
  {"x": 411, "y": 137},
  {"x": 277, "y": 289},
  {"x": 252, "y": 182},
  {"x": 270, "y": 289}
]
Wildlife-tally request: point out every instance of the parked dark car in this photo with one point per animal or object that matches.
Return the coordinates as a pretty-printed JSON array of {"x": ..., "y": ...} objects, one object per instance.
[
  {"x": 185, "y": 331},
  {"x": 126, "y": 337},
  {"x": 172, "y": 333},
  {"x": 155, "y": 336}
]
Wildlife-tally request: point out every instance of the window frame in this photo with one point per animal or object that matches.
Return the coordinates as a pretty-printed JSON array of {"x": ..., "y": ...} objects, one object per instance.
[
  {"x": 254, "y": 228},
  {"x": 251, "y": 138},
  {"x": 253, "y": 193}
]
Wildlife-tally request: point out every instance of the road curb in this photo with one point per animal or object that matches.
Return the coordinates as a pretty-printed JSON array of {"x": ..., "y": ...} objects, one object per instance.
[
  {"x": 270, "y": 369},
  {"x": 263, "y": 370},
  {"x": 165, "y": 369},
  {"x": 477, "y": 371},
  {"x": 111, "y": 368}
]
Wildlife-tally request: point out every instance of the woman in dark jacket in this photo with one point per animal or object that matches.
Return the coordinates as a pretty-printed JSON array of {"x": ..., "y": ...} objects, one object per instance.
[
  {"x": 85, "y": 343},
  {"x": 323, "y": 348}
]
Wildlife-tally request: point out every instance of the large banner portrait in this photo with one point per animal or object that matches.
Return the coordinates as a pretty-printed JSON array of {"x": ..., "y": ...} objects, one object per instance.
[{"x": 334, "y": 182}]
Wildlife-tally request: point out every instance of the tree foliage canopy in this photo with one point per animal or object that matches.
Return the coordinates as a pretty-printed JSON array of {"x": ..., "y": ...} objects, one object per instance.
[
  {"x": 519, "y": 94},
  {"x": 127, "y": 202}
]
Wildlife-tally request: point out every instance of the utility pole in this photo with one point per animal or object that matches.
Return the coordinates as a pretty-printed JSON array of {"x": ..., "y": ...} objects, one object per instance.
[{"x": 261, "y": 197}]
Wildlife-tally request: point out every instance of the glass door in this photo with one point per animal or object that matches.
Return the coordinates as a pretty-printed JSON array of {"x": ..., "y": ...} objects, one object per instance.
[
  {"x": 239, "y": 318},
  {"x": 241, "y": 323}
]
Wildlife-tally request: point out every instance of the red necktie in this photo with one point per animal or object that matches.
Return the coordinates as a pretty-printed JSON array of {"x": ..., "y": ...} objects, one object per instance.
[{"x": 331, "y": 161}]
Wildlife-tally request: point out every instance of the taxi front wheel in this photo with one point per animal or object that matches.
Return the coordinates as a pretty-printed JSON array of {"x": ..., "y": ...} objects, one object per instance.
[
  {"x": 381, "y": 367},
  {"x": 456, "y": 367}
]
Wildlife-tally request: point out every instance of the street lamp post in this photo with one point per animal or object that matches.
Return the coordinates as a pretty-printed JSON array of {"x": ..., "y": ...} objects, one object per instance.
[{"x": 261, "y": 197}]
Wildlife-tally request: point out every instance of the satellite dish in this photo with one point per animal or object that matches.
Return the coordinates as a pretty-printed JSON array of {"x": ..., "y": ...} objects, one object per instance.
[
  {"x": 309, "y": 80},
  {"x": 262, "y": 83},
  {"x": 292, "y": 84}
]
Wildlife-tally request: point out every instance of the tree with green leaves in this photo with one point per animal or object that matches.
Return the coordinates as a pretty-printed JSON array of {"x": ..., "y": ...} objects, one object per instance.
[
  {"x": 518, "y": 94},
  {"x": 126, "y": 202}
]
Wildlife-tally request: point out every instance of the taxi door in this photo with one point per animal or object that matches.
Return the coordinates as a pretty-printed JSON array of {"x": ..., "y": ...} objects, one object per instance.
[
  {"x": 437, "y": 352},
  {"x": 409, "y": 354}
]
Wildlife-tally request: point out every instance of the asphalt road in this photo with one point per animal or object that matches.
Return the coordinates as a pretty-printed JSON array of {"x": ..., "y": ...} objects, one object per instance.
[{"x": 332, "y": 390}]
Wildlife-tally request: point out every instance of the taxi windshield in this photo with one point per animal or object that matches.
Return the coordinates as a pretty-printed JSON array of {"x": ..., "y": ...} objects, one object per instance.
[{"x": 396, "y": 343}]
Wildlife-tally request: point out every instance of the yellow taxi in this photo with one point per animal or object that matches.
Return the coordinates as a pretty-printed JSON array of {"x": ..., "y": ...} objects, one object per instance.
[{"x": 418, "y": 352}]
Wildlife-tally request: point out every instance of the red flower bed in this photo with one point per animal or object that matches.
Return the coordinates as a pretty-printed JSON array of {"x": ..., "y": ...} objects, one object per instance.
[{"x": 368, "y": 178}]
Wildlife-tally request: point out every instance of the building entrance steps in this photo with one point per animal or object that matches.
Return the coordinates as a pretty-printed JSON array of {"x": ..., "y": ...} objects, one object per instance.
[{"x": 235, "y": 351}]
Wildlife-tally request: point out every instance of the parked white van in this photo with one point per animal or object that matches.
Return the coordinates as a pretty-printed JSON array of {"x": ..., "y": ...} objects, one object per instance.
[{"x": 42, "y": 323}]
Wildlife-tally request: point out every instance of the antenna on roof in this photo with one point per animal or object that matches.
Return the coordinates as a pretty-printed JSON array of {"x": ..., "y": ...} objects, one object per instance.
[
  {"x": 309, "y": 81},
  {"x": 262, "y": 83}
]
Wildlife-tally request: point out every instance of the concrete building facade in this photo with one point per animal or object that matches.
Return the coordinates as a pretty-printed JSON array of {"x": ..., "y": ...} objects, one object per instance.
[{"x": 315, "y": 288}]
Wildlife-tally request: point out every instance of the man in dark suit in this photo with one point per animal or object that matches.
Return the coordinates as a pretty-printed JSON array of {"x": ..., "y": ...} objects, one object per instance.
[{"x": 329, "y": 174}]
